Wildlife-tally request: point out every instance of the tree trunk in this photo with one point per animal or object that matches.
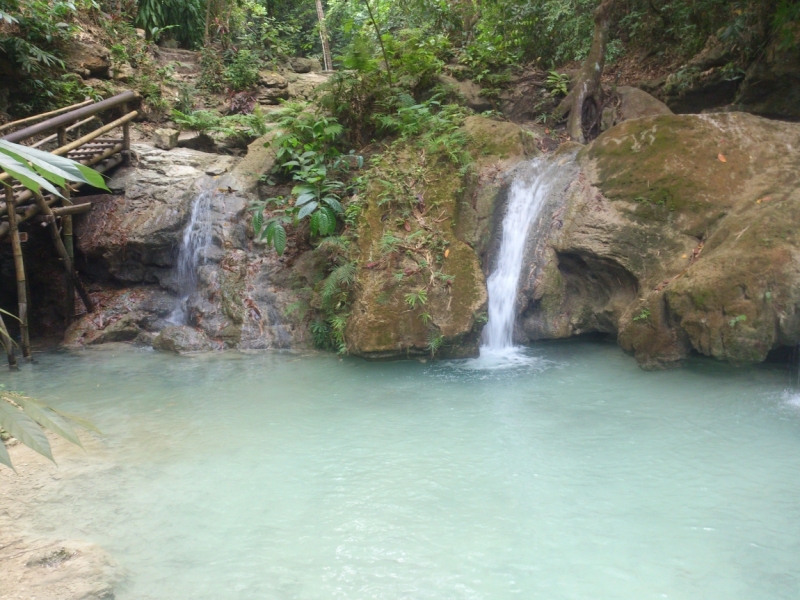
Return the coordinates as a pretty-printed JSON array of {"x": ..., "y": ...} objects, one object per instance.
[
  {"x": 323, "y": 36},
  {"x": 585, "y": 102}
]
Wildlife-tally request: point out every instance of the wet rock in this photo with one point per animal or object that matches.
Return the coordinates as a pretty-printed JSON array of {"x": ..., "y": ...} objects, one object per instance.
[
  {"x": 676, "y": 234},
  {"x": 165, "y": 138},
  {"x": 299, "y": 64},
  {"x": 132, "y": 237},
  {"x": 181, "y": 339},
  {"x": 122, "y": 316}
]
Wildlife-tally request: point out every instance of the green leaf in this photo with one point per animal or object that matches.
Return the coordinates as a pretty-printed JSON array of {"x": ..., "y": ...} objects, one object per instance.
[
  {"x": 299, "y": 190},
  {"x": 313, "y": 223},
  {"x": 25, "y": 176},
  {"x": 280, "y": 239},
  {"x": 307, "y": 210},
  {"x": 269, "y": 232},
  {"x": 333, "y": 203},
  {"x": 324, "y": 222},
  {"x": 4, "y": 457},
  {"x": 37, "y": 411},
  {"x": 78, "y": 421},
  {"x": 25, "y": 429},
  {"x": 304, "y": 198},
  {"x": 258, "y": 221},
  {"x": 59, "y": 166}
]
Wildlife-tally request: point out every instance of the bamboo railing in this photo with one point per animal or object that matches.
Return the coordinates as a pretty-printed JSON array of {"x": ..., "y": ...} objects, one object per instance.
[{"x": 95, "y": 149}]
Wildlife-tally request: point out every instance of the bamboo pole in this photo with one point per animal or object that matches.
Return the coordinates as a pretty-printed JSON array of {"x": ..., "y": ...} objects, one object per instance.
[
  {"x": 69, "y": 307},
  {"x": 50, "y": 138},
  {"x": 62, "y": 253},
  {"x": 19, "y": 267},
  {"x": 8, "y": 345},
  {"x": 53, "y": 113},
  {"x": 88, "y": 137}
]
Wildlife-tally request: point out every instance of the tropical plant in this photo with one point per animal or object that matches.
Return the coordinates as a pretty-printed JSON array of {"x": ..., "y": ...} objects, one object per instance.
[
  {"x": 557, "y": 83},
  {"x": 307, "y": 153},
  {"x": 38, "y": 170},
  {"x": 23, "y": 418}
]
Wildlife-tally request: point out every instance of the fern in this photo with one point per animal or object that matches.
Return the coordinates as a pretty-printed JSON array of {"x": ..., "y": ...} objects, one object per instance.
[{"x": 343, "y": 275}]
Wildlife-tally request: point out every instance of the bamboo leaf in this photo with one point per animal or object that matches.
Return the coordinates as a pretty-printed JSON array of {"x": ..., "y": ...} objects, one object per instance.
[
  {"x": 5, "y": 312},
  {"x": 49, "y": 165},
  {"x": 78, "y": 421},
  {"x": 25, "y": 429},
  {"x": 25, "y": 176},
  {"x": 4, "y": 457},
  {"x": 38, "y": 412}
]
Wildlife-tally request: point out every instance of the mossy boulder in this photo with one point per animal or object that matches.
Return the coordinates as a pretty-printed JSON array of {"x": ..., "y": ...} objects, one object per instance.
[
  {"x": 677, "y": 234},
  {"x": 420, "y": 287}
]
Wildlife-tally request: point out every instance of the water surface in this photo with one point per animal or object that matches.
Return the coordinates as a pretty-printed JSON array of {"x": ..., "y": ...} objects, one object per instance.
[{"x": 571, "y": 474}]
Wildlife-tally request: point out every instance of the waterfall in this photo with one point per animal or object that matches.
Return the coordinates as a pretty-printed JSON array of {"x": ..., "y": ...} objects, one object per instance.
[
  {"x": 192, "y": 252},
  {"x": 526, "y": 199}
]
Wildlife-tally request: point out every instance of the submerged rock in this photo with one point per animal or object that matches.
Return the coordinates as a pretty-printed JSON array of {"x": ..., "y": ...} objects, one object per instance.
[
  {"x": 677, "y": 234},
  {"x": 182, "y": 340}
]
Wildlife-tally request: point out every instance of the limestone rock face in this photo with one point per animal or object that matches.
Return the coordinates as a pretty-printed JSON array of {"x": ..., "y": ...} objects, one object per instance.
[
  {"x": 388, "y": 318},
  {"x": 678, "y": 234},
  {"x": 132, "y": 236},
  {"x": 132, "y": 240}
]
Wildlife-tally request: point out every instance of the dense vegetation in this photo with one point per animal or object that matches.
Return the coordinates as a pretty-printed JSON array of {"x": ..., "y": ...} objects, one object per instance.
[
  {"x": 485, "y": 37},
  {"x": 386, "y": 90}
]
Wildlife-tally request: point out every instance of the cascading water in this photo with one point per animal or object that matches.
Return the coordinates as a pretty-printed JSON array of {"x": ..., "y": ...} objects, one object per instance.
[
  {"x": 192, "y": 253},
  {"x": 526, "y": 199}
]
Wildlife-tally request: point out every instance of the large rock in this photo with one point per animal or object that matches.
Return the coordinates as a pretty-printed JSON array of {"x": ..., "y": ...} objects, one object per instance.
[
  {"x": 678, "y": 234},
  {"x": 433, "y": 246},
  {"x": 86, "y": 57},
  {"x": 132, "y": 236},
  {"x": 181, "y": 340},
  {"x": 771, "y": 86},
  {"x": 305, "y": 65},
  {"x": 305, "y": 87},
  {"x": 133, "y": 239}
]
